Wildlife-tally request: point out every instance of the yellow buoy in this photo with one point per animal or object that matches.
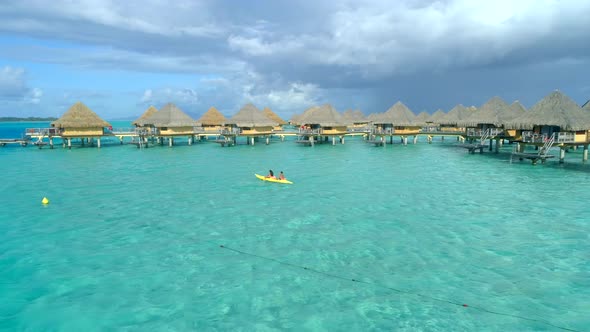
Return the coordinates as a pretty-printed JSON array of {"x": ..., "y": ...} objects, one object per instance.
[{"x": 45, "y": 200}]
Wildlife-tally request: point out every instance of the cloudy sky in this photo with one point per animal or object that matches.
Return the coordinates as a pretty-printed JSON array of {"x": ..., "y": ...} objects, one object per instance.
[{"x": 119, "y": 57}]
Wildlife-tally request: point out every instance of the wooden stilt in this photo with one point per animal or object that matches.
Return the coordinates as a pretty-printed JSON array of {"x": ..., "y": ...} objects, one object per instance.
[
  {"x": 561, "y": 155},
  {"x": 585, "y": 154},
  {"x": 69, "y": 143},
  {"x": 98, "y": 142}
]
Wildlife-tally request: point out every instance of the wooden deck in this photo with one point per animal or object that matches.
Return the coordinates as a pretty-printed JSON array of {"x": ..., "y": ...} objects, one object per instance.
[
  {"x": 224, "y": 142},
  {"x": 376, "y": 142},
  {"x": 22, "y": 142},
  {"x": 533, "y": 157},
  {"x": 475, "y": 146}
]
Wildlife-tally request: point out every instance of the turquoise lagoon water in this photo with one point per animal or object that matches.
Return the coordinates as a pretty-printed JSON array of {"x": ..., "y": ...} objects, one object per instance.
[{"x": 131, "y": 239}]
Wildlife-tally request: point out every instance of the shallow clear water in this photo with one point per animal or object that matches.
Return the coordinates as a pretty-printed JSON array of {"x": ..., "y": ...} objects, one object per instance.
[{"x": 131, "y": 239}]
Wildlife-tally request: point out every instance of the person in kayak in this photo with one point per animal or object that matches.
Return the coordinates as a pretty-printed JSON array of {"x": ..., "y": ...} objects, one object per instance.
[
  {"x": 282, "y": 176},
  {"x": 271, "y": 175}
]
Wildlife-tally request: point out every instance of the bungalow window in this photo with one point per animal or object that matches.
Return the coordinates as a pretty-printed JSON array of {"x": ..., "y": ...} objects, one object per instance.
[{"x": 164, "y": 128}]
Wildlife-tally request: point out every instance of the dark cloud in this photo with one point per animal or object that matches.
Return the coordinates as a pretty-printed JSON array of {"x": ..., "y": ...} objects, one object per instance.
[{"x": 290, "y": 55}]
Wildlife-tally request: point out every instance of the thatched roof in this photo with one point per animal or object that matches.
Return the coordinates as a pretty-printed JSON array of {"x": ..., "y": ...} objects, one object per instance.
[
  {"x": 273, "y": 116},
  {"x": 423, "y": 117},
  {"x": 149, "y": 112},
  {"x": 296, "y": 119},
  {"x": 250, "y": 116},
  {"x": 455, "y": 115},
  {"x": 556, "y": 109},
  {"x": 398, "y": 115},
  {"x": 489, "y": 113},
  {"x": 373, "y": 116},
  {"x": 513, "y": 111},
  {"x": 437, "y": 116},
  {"x": 586, "y": 106},
  {"x": 325, "y": 116},
  {"x": 79, "y": 116},
  {"x": 355, "y": 116},
  {"x": 212, "y": 118},
  {"x": 168, "y": 116}
]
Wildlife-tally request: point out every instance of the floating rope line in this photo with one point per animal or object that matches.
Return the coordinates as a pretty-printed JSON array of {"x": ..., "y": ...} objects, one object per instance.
[{"x": 465, "y": 305}]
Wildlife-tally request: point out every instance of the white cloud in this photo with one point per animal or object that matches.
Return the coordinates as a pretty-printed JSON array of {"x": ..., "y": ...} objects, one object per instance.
[
  {"x": 159, "y": 97},
  {"x": 14, "y": 87},
  {"x": 34, "y": 96},
  {"x": 149, "y": 17},
  {"x": 294, "y": 98},
  {"x": 386, "y": 37},
  {"x": 12, "y": 82}
]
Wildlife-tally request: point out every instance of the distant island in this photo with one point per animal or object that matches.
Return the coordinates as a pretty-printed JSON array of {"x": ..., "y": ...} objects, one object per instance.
[{"x": 29, "y": 119}]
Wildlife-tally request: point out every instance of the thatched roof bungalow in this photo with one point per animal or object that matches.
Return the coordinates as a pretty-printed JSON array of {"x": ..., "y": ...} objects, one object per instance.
[
  {"x": 423, "y": 117},
  {"x": 252, "y": 122},
  {"x": 169, "y": 121},
  {"x": 357, "y": 120},
  {"x": 556, "y": 113},
  {"x": 437, "y": 116},
  {"x": 488, "y": 119},
  {"x": 274, "y": 117},
  {"x": 398, "y": 119},
  {"x": 80, "y": 122},
  {"x": 149, "y": 112},
  {"x": 324, "y": 120},
  {"x": 212, "y": 121},
  {"x": 449, "y": 122},
  {"x": 295, "y": 119}
]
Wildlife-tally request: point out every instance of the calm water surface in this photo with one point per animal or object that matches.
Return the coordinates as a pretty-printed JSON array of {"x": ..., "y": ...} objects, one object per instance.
[{"x": 131, "y": 239}]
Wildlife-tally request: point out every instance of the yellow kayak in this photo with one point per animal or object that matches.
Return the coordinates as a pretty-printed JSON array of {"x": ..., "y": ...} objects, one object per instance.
[{"x": 263, "y": 178}]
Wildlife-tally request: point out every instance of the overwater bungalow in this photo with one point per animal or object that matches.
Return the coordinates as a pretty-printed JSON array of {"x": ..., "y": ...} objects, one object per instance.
[
  {"x": 274, "y": 117},
  {"x": 486, "y": 122},
  {"x": 555, "y": 120},
  {"x": 398, "y": 120},
  {"x": 423, "y": 117},
  {"x": 320, "y": 123},
  {"x": 251, "y": 123},
  {"x": 212, "y": 122},
  {"x": 142, "y": 130},
  {"x": 515, "y": 110},
  {"x": 170, "y": 122},
  {"x": 79, "y": 122},
  {"x": 295, "y": 120},
  {"x": 449, "y": 123},
  {"x": 435, "y": 119},
  {"x": 149, "y": 112},
  {"x": 359, "y": 123}
]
